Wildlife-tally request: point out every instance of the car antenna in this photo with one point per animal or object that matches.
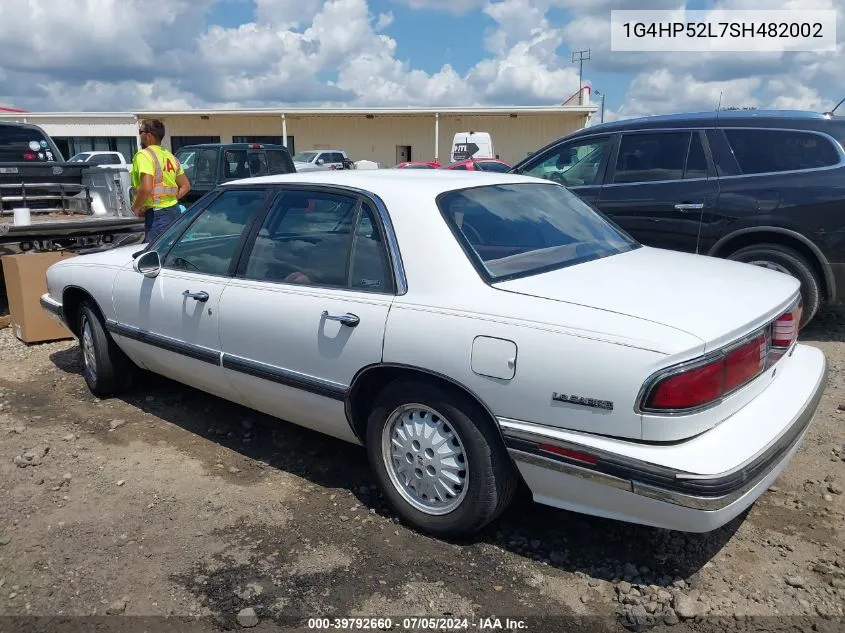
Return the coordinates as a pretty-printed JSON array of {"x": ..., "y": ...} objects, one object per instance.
[{"x": 834, "y": 109}]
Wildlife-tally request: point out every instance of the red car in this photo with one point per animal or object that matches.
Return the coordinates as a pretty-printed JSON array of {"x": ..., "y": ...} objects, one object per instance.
[
  {"x": 480, "y": 164},
  {"x": 417, "y": 164}
]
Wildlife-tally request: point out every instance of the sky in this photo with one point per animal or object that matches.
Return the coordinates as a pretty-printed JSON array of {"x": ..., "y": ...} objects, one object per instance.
[{"x": 125, "y": 55}]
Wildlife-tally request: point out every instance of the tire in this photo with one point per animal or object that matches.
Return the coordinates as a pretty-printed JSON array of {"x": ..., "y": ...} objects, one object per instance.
[
  {"x": 785, "y": 259},
  {"x": 106, "y": 369},
  {"x": 489, "y": 477}
]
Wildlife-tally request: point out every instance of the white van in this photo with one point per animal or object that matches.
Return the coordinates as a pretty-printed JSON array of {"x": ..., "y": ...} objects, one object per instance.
[{"x": 472, "y": 145}]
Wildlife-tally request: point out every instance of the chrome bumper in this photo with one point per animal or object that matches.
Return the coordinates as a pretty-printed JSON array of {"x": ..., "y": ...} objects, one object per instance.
[
  {"x": 53, "y": 307},
  {"x": 690, "y": 490}
]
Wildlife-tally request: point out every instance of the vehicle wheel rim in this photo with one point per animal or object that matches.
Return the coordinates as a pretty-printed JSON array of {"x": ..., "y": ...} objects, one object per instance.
[
  {"x": 425, "y": 459},
  {"x": 771, "y": 266},
  {"x": 88, "y": 354}
]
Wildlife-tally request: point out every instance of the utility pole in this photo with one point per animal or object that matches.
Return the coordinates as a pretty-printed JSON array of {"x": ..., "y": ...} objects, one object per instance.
[
  {"x": 580, "y": 57},
  {"x": 600, "y": 94}
]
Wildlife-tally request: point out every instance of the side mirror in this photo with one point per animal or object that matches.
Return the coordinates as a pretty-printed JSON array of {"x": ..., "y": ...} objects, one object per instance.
[
  {"x": 148, "y": 264},
  {"x": 320, "y": 161}
]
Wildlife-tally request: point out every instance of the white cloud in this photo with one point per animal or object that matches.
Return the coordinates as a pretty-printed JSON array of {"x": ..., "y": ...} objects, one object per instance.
[
  {"x": 120, "y": 54},
  {"x": 126, "y": 54}
]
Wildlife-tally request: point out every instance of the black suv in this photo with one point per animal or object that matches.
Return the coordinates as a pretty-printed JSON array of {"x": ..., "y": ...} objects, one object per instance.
[
  {"x": 762, "y": 187},
  {"x": 209, "y": 164}
]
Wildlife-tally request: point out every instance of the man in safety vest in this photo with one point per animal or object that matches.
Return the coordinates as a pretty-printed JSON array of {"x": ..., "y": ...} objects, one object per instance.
[{"x": 158, "y": 181}]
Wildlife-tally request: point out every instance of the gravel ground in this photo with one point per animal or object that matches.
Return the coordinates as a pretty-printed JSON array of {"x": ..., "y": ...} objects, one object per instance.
[{"x": 169, "y": 502}]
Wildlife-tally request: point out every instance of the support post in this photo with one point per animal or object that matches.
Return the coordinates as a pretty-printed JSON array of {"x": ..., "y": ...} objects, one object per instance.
[
  {"x": 284, "y": 130},
  {"x": 436, "y": 136}
]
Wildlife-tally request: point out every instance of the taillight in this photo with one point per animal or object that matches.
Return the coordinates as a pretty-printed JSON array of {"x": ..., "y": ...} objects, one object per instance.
[
  {"x": 785, "y": 328},
  {"x": 688, "y": 387},
  {"x": 706, "y": 383}
]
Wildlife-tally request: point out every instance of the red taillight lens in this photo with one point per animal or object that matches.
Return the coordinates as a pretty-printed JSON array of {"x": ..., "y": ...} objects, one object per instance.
[
  {"x": 567, "y": 452},
  {"x": 745, "y": 363},
  {"x": 702, "y": 385},
  {"x": 689, "y": 389}
]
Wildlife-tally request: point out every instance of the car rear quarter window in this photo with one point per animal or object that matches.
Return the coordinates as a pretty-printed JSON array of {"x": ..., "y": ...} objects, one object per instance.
[
  {"x": 278, "y": 162},
  {"x": 769, "y": 151},
  {"x": 24, "y": 144},
  {"x": 513, "y": 230}
]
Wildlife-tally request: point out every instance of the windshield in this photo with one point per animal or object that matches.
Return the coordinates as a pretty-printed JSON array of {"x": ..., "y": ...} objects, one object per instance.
[
  {"x": 515, "y": 230},
  {"x": 305, "y": 157},
  {"x": 78, "y": 158}
]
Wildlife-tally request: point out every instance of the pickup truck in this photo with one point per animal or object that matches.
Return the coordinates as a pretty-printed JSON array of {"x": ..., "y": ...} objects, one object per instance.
[
  {"x": 73, "y": 206},
  {"x": 208, "y": 164},
  {"x": 322, "y": 159},
  {"x": 99, "y": 157}
]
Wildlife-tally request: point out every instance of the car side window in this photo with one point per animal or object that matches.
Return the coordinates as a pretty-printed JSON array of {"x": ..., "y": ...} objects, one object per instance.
[
  {"x": 370, "y": 266},
  {"x": 277, "y": 162},
  {"x": 766, "y": 151},
  {"x": 304, "y": 239},
  {"x": 651, "y": 157},
  {"x": 573, "y": 164},
  {"x": 204, "y": 168},
  {"x": 210, "y": 243},
  {"x": 696, "y": 166}
]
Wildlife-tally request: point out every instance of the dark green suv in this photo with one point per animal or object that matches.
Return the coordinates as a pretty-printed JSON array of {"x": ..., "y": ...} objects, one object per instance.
[{"x": 210, "y": 164}]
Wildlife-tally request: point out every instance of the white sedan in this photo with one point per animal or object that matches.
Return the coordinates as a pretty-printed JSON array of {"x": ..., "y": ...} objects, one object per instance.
[{"x": 472, "y": 331}]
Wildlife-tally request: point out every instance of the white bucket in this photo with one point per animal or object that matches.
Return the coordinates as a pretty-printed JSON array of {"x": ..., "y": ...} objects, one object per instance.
[{"x": 22, "y": 216}]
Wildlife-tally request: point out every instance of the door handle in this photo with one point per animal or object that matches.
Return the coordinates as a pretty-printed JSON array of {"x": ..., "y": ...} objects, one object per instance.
[
  {"x": 689, "y": 207},
  {"x": 347, "y": 319},
  {"x": 202, "y": 296}
]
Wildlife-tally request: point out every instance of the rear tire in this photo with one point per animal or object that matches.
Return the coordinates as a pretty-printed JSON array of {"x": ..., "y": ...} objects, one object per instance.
[
  {"x": 790, "y": 262},
  {"x": 438, "y": 459},
  {"x": 106, "y": 369}
]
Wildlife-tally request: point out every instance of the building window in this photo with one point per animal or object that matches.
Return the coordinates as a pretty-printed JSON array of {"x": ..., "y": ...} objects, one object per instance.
[
  {"x": 72, "y": 145},
  {"x": 180, "y": 141}
]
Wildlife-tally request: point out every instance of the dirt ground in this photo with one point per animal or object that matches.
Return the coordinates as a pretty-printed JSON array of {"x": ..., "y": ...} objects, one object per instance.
[{"x": 170, "y": 504}]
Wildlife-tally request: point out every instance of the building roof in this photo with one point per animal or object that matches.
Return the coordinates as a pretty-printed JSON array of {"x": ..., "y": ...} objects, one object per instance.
[{"x": 348, "y": 111}]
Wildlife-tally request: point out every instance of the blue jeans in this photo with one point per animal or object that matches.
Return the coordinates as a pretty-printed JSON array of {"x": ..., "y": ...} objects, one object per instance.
[{"x": 156, "y": 221}]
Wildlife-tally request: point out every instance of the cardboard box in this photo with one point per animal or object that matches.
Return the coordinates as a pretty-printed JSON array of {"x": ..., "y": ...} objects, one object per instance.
[{"x": 26, "y": 281}]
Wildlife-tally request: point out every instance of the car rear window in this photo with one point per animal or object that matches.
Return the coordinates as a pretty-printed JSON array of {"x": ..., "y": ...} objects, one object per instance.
[
  {"x": 767, "y": 151},
  {"x": 20, "y": 144},
  {"x": 514, "y": 230}
]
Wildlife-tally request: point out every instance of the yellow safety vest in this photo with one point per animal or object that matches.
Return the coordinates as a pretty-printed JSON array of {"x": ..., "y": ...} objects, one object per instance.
[{"x": 166, "y": 168}]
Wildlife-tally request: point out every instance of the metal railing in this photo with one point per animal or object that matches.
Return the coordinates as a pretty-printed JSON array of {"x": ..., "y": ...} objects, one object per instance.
[{"x": 46, "y": 197}]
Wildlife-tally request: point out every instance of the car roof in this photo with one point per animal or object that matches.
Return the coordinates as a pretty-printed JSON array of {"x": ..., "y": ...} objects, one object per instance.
[
  {"x": 390, "y": 182},
  {"x": 726, "y": 118},
  {"x": 31, "y": 126},
  {"x": 231, "y": 145}
]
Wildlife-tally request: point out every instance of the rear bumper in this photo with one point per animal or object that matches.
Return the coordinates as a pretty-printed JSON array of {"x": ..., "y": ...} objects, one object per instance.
[{"x": 653, "y": 490}]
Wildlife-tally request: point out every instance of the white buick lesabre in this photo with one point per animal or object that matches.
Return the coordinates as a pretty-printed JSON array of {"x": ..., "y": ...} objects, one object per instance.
[{"x": 471, "y": 330}]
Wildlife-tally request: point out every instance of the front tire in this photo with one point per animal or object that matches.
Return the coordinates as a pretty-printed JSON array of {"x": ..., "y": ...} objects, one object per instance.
[
  {"x": 438, "y": 459},
  {"x": 106, "y": 369},
  {"x": 790, "y": 262}
]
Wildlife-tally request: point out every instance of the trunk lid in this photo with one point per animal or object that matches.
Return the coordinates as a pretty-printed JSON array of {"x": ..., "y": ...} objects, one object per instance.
[{"x": 713, "y": 299}]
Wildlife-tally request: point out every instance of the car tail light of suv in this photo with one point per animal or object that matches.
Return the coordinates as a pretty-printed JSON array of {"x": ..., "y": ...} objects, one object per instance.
[{"x": 697, "y": 384}]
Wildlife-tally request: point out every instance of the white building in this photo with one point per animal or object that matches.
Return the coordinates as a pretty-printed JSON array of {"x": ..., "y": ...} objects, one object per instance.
[{"x": 383, "y": 135}]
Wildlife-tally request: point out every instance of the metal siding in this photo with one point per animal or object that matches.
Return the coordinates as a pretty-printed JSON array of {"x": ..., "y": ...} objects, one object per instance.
[
  {"x": 376, "y": 139},
  {"x": 362, "y": 138},
  {"x": 68, "y": 126}
]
